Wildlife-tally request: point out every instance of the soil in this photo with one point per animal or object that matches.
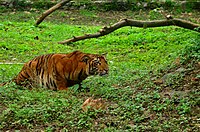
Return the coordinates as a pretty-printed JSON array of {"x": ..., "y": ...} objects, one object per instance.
[{"x": 82, "y": 17}]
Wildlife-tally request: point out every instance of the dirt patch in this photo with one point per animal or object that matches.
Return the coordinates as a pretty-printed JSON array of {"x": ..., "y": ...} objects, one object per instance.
[
  {"x": 183, "y": 83},
  {"x": 84, "y": 17}
]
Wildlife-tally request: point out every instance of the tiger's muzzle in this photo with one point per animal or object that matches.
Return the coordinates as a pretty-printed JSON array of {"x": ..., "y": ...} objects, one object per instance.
[{"x": 103, "y": 73}]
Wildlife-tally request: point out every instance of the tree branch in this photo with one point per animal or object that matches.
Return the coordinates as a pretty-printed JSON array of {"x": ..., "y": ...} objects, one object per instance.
[
  {"x": 136, "y": 23},
  {"x": 49, "y": 11}
]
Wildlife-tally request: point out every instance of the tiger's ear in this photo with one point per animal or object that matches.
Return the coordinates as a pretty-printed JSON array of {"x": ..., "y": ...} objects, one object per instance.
[
  {"x": 104, "y": 55},
  {"x": 85, "y": 58}
]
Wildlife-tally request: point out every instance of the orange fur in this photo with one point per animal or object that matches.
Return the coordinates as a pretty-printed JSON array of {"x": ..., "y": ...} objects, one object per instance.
[{"x": 60, "y": 71}]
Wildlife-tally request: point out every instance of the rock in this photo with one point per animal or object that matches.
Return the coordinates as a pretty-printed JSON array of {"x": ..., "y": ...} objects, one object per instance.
[
  {"x": 166, "y": 77},
  {"x": 181, "y": 69}
]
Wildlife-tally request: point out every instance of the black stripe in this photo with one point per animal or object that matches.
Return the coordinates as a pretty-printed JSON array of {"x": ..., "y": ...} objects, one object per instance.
[
  {"x": 54, "y": 84},
  {"x": 48, "y": 57},
  {"x": 26, "y": 74},
  {"x": 48, "y": 79},
  {"x": 30, "y": 63},
  {"x": 39, "y": 71},
  {"x": 22, "y": 76},
  {"x": 80, "y": 74},
  {"x": 42, "y": 58},
  {"x": 75, "y": 53},
  {"x": 47, "y": 85},
  {"x": 56, "y": 72},
  {"x": 63, "y": 57},
  {"x": 42, "y": 83},
  {"x": 89, "y": 68},
  {"x": 38, "y": 64},
  {"x": 51, "y": 82},
  {"x": 42, "y": 73}
]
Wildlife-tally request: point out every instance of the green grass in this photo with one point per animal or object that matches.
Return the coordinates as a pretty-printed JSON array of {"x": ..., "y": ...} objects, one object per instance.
[{"x": 135, "y": 56}]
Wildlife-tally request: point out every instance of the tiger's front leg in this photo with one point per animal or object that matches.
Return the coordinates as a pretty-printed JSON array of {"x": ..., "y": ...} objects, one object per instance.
[
  {"x": 61, "y": 85},
  {"x": 62, "y": 88},
  {"x": 81, "y": 88}
]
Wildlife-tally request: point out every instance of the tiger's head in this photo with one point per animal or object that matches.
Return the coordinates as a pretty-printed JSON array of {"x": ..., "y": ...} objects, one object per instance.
[{"x": 96, "y": 64}]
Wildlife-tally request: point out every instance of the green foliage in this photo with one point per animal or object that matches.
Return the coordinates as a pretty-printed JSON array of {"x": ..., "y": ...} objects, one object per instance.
[
  {"x": 28, "y": 4},
  {"x": 192, "y": 51},
  {"x": 87, "y": 13},
  {"x": 135, "y": 102},
  {"x": 155, "y": 13},
  {"x": 169, "y": 3},
  {"x": 114, "y": 5}
]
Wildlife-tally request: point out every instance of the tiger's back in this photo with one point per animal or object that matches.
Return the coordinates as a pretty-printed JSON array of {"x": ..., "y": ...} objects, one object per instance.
[{"x": 60, "y": 71}]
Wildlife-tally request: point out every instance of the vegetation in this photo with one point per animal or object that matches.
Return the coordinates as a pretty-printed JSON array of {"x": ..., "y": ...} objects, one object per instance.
[{"x": 153, "y": 83}]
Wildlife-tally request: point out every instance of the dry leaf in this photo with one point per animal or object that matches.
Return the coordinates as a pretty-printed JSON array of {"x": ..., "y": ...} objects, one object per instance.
[
  {"x": 93, "y": 104},
  {"x": 177, "y": 61},
  {"x": 195, "y": 79},
  {"x": 158, "y": 81}
]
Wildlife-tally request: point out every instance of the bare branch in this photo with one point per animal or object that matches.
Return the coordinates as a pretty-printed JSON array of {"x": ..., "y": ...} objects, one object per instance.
[
  {"x": 136, "y": 23},
  {"x": 49, "y": 11}
]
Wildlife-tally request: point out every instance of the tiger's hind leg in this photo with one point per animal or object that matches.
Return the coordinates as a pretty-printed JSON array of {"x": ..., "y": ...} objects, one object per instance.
[
  {"x": 24, "y": 83},
  {"x": 26, "y": 77},
  {"x": 4, "y": 83}
]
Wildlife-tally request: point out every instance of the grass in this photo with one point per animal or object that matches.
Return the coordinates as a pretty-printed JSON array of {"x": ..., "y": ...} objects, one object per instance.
[{"x": 136, "y": 57}]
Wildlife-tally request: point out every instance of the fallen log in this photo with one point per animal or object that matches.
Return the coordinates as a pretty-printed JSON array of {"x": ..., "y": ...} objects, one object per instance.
[
  {"x": 136, "y": 23},
  {"x": 49, "y": 11}
]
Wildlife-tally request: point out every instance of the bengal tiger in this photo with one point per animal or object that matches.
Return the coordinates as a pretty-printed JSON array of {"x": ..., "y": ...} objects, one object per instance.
[{"x": 60, "y": 71}]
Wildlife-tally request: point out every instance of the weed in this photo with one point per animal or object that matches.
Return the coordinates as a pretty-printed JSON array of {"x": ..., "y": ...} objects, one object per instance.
[
  {"x": 87, "y": 13},
  {"x": 192, "y": 51}
]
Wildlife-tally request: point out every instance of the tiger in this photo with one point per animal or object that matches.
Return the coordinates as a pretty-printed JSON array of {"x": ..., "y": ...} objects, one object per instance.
[{"x": 58, "y": 71}]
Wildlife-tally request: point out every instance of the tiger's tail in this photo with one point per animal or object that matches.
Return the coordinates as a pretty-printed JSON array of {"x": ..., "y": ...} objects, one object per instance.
[{"x": 4, "y": 83}]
